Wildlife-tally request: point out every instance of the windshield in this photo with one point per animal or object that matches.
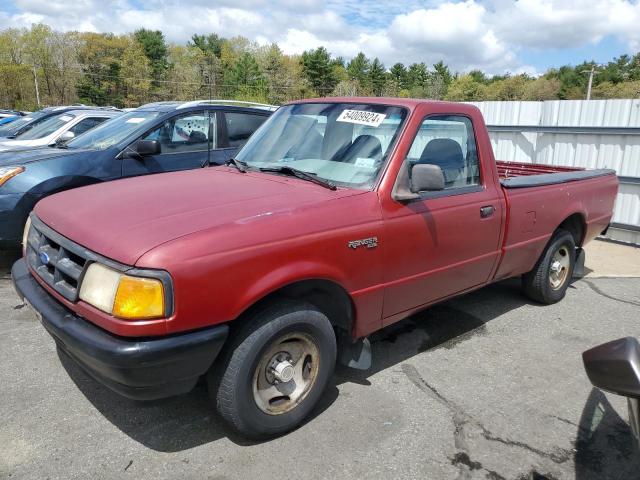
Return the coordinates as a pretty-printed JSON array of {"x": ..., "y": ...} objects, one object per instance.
[
  {"x": 113, "y": 131},
  {"x": 13, "y": 127},
  {"x": 344, "y": 143},
  {"x": 46, "y": 127}
]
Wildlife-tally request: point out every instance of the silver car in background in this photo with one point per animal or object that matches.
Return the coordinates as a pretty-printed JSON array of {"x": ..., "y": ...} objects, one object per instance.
[{"x": 59, "y": 128}]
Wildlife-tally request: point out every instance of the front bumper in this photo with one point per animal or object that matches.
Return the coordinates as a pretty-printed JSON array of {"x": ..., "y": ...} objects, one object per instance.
[
  {"x": 140, "y": 369},
  {"x": 13, "y": 215}
]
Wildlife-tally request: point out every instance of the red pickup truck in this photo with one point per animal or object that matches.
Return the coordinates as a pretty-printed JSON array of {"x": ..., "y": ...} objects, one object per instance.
[{"x": 340, "y": 216}]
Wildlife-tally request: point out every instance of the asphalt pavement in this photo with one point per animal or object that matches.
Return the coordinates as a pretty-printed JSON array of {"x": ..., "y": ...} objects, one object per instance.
[{"x": 486, "y": 386}]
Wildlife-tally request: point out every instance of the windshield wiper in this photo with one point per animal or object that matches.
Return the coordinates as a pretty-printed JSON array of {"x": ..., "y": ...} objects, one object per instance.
[
  {"x": 294, "y": 172},
  {"x": 239, "y": 164}
]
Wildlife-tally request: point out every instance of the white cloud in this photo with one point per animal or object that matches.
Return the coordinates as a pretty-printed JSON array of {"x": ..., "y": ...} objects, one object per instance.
[
  {"x": 459, "y": 33},
  {"x": 566, "y": 23},
  {"x": 486, "y": 34}
]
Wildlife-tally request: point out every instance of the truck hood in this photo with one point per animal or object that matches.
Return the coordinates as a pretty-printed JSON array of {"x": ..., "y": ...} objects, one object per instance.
[
  {"x": 23, "y": 157},
  {"x": 124, "y": 219}
]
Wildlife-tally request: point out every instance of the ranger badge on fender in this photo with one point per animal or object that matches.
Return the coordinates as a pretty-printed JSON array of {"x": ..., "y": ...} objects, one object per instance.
[{"x": 370, "y": 242}]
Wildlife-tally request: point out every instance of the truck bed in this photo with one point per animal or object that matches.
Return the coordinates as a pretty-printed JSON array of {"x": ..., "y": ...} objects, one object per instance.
[{"x": 523, "y": 175}]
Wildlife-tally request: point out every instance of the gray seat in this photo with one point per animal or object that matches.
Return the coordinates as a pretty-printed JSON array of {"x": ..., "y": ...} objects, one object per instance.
[
  {"x": 364, "y": 146},
  {"x": 447, "y": 154}
]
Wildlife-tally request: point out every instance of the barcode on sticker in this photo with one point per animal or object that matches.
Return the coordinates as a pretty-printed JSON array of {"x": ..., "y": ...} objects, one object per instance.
[{"x": 371, "y": 119}]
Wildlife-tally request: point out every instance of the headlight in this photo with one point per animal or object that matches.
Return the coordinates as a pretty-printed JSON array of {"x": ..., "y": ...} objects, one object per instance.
[
  {"x": 121, "y": 295},
  {"x": 25, "y": 235},
  {"x": 9, "y": 172}
]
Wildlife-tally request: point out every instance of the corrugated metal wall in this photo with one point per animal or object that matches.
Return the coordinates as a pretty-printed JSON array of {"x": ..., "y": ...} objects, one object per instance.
[{"x": 589, "y": 134}]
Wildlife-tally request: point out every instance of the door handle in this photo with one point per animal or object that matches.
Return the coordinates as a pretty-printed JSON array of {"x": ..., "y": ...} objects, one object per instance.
[{"x": 487, "y": 211}]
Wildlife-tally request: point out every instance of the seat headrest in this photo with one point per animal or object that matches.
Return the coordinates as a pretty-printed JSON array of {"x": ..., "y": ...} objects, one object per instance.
[
  {"x": 364, "y": 146},
  {"x": 444, "y": 152},
  {"x": 196, "y": 136}
]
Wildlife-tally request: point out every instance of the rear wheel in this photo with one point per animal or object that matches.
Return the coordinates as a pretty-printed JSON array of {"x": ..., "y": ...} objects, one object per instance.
[
  {"x": 275, "y": 370},
  {"x": 548, "y": 281}
]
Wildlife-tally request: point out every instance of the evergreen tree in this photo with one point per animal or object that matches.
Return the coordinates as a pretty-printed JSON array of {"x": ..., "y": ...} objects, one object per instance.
[
  {"x": 398, "y": 73},
  {"x": 156, "y": 50},
  {"x": 318, "y": 69},
  {"x": 358, "y": 69},
  {"x": 377, "y": 77}
]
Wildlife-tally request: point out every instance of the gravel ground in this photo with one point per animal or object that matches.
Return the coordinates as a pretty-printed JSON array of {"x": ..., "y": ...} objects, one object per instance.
[{"x": 487, "y": 386}]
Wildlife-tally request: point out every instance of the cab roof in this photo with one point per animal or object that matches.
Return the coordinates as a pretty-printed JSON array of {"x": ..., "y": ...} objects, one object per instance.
[{"x": 410, "y": 103}]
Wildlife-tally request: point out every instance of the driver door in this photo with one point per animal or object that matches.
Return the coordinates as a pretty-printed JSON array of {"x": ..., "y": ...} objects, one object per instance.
[{"x": 185, "y": 143}]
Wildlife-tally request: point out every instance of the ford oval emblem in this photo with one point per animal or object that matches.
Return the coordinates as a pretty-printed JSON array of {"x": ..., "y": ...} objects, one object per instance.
[{"x": 44, "y": 258}]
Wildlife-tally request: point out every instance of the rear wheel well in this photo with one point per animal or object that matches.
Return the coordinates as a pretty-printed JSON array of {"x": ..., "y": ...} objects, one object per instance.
[
  {"x": 575, "y": 225},
  {"x": 327, "y": 296}
]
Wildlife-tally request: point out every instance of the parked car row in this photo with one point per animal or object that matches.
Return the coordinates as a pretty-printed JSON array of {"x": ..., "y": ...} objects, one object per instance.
[
  {"x": 337, "y": 218},
  {"x": 82, "y": 145}
]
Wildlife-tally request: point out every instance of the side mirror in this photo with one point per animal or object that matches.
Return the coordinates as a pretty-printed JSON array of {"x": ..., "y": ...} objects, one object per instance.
[
  {"x": 147, "y": 147},
  {"x": 426, "y": 177},
  {"x": 65, "y": 137},
  {"x": 615, "y": 367}
]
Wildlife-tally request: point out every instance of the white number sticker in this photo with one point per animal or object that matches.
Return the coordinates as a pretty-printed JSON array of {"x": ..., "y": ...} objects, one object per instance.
[
  {"x": 361, "y": 117},
  {"x": 135, "y": 120},
  {"x": 365, "y": 162},
  {"x": 65, "y": 118}
]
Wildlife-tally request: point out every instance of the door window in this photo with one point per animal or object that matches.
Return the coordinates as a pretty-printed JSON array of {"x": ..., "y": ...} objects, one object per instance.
[
  {"x": 240, "y": 126},
  {"x": 186, "y": 133},
  {"x": 86, "y": 124},
  {"x": 448, "y": 142}
]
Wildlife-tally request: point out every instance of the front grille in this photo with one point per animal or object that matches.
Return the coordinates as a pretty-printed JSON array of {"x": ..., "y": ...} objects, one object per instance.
[{"x": 58, "y": 261}]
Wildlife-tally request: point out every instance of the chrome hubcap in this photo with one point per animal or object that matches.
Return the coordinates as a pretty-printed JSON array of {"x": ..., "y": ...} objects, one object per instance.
[
  {"x": 286, "y": 373},
  {"x": 559, "y": 269}
]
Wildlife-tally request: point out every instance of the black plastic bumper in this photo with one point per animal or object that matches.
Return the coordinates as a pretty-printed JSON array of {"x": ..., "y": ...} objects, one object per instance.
[{"x": 141, "y": 369}]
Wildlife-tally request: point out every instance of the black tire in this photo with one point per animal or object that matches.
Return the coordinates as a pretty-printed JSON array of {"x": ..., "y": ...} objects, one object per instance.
[
  {"x": 231, "y": 380},
  {"x": 537, "y": 283}
]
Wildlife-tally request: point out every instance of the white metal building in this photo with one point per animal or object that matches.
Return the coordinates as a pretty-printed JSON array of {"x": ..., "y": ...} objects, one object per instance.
[{"x": 581, "y": 133}]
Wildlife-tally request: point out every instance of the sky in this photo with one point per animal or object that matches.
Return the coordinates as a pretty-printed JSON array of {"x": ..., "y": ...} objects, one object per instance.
[{"x": 496, "y": 36}]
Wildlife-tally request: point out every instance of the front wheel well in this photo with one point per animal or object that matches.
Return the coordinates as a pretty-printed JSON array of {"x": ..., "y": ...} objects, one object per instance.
[
  {"x": 327, "y": 296},
  {"x": 576, "y": 226}
]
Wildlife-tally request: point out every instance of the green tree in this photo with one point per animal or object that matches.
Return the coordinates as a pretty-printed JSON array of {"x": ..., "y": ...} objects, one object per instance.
[
  {"x": 465, "y": 88},
  {"x": 209, "y": 44},
  {"x": 100, "y": 56},
  {"x": 319, "y": 71},
  {"x": 511, "y": 88},
  {"x": 377, "y": 77},
  {"x": 542, "y": 89},
  {"x": 398, "y": 73},
  {"x": 136, "y": 74},
  {"x": 443, "y": 71},
  {"x": 156, "y": 50},
  {"x": 271, "y": 61},
  {"x": 358, "y": 70},
  {"x": 417, "y": 76}
]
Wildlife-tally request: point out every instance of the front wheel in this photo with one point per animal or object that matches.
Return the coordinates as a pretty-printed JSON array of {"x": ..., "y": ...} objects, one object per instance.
[
  {"x": 548, "y": 281},
  {"x": 275, "y": 370}
]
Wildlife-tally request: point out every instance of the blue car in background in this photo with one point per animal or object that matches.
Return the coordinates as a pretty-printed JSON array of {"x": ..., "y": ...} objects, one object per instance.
[
  {"x": 155, "y": 138},
  {"x": 8, "y": 116}
]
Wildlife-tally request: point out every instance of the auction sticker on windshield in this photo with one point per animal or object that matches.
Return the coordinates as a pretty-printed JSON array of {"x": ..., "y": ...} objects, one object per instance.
[
  {"x": 135, "y": 120},
  {"x": 371, "y": 119}
]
